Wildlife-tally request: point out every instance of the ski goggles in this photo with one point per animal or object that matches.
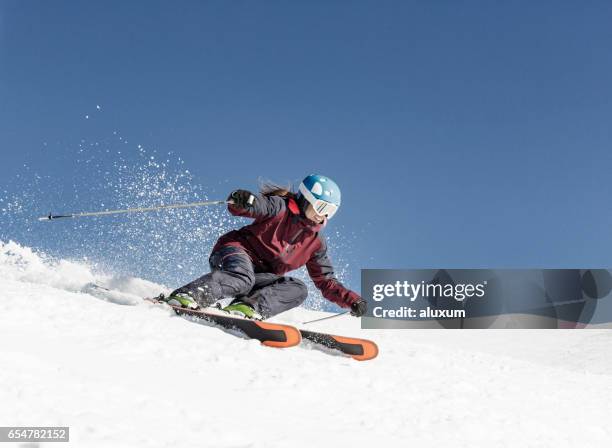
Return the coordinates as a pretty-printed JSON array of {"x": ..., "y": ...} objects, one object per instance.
[{"x": 321, "y": 207}]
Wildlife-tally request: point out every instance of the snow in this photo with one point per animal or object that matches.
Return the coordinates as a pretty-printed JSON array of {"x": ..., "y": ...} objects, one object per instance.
[{"x": 123, "y": 373}]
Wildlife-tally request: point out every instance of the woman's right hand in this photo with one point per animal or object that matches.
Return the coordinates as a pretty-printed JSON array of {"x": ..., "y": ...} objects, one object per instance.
[
  {"x": 241, "y": 198},
  {"x": 359, "y": 308}
]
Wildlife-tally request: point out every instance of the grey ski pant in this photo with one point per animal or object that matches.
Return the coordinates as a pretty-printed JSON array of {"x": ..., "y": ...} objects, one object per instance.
[{"x": 233, "y": 275}]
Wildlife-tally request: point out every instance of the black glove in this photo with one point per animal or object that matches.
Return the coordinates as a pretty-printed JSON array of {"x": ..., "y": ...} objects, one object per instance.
[
  {"x": 241, "y": 198},
  {"x": 359, "y": 308}
]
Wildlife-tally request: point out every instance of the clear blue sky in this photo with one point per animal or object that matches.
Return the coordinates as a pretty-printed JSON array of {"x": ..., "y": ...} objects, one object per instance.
[{"x": 463, "y": 133}]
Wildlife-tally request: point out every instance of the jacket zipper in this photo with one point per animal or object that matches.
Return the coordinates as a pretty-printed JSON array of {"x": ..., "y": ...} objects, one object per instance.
[{"x": 290, "y": 243}]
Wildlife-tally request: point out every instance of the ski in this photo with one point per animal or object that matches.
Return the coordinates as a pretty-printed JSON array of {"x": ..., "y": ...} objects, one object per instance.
[
  {"x": 282, "y": 335},
  {"x": 269, "y": 334},
  {"x": 356, "y": 348}
]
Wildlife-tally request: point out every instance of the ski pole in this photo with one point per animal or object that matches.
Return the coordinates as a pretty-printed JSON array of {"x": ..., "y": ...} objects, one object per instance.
[
  {"x": 325, "y": 318},
  {"x": 51, "y": 217}
]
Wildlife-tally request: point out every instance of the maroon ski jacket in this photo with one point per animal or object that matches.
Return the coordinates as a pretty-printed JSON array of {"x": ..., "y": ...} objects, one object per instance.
[{"x": 281, "y": 240}]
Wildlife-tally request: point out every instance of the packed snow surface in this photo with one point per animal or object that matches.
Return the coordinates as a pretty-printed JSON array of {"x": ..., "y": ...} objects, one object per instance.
[{"x": 124, "y": 373}]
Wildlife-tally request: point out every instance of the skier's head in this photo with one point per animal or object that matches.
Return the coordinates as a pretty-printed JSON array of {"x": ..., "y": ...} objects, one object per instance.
[{"x": 319, "y": 197}]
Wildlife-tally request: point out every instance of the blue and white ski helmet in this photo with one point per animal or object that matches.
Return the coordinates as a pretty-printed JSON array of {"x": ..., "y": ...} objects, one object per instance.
[{"x": 323, "y": 193}]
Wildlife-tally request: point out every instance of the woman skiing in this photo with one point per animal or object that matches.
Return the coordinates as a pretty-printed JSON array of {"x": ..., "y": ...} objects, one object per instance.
[{"x": 248, "y": 264}]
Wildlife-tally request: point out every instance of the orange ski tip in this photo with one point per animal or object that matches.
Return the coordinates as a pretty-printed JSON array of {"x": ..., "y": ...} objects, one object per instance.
[
  {"x": 370, "y": 349},
  {"x": 294, "y": 337}
]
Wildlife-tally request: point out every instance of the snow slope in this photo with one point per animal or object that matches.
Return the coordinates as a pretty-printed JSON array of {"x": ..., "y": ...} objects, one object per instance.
[{"x": 121, "y": 372}]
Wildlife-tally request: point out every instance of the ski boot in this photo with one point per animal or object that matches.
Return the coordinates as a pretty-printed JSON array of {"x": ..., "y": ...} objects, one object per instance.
[
  {"x": 242, "y": 309},
  {"x": 180, "y": 299}
]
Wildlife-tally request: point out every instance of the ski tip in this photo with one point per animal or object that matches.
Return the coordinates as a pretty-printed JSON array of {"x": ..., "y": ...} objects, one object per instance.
[
  {"x": 293, "y": 335},
  {"x": 369, "y": 348}
]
